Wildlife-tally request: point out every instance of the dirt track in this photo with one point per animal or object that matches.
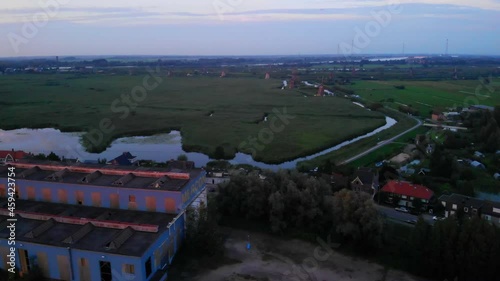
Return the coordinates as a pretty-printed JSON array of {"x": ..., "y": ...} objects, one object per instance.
[{"x": 271, "y": 259}]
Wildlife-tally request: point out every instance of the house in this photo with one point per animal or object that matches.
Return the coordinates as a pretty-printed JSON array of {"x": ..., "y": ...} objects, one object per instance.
[
  {"x": 458, "y": 205},
  {"x": 126, "y": 159},
  {"x": 438, "y": 116},
  {"x": 408, "y": 194},
  {"x": 339, "y": 181},
  {"x": 476, "y": 164},
  {"x": 365, "y": 180},
  {"x": 11, "y": 155},
  {"x": 479, "y": 154},
  {"x": 482, "y": 107}
]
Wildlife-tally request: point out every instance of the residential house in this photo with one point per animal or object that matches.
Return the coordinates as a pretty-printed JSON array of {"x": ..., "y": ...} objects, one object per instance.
[
  {"x": 11, "y": 155},
  {"x": 365, "y": 180},
  {"x": 456, "y": 204},
  {"x": 479, "y": 154},
  {"x": 476, "y": 164},
  {"x": 438, "y": 116},
  {"x": 126, "y": 159},
  {"x": 339, "y": 181},
  {"x": 408, "y": 194}
]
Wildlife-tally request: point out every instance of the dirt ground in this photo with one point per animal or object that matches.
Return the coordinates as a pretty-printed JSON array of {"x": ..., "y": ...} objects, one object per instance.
[{"x": 270, "y": 259}]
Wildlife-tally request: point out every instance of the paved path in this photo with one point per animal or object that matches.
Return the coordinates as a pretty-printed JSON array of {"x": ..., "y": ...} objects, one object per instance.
[
  {"x": 382, "y": 143},
  {"x": 391, "y": 213}
]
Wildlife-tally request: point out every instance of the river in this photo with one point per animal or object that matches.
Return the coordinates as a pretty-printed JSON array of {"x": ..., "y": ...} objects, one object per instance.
[{"x": 161, "y": 147}]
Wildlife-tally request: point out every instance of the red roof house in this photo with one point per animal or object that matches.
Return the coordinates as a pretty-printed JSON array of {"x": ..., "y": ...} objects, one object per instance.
[
  {"x": 11, "y": 155},
  {"x": 408, "y": 189},
  {"x": 407, "y": 194}
]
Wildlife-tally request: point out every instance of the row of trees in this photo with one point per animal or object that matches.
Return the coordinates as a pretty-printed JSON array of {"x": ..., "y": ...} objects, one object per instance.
[
  {"x": 291, "y": 201},
  {"x": 455, "y": 249}
]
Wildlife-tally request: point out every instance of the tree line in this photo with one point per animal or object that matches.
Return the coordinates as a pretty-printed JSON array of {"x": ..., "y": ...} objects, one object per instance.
[{"x": 290, "y": 202}]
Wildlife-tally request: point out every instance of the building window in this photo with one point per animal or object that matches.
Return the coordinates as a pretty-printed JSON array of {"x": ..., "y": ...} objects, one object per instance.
[
  {"x": 487, "y": 217},
  {"x": 129, "y": 269},
  {"x": 131, "y": 198},
  {"x": 466, "y": 209},
  {"x": 403, "y": 196},
  {"x": 83, "y": 262},
  {"x": 25, "y": 261},
  {"x": 79, "y": 197},
  {"x": 454, "y": 206},
  {"x": 148, "y": 267},
  {"x": 105, "y": 269}
]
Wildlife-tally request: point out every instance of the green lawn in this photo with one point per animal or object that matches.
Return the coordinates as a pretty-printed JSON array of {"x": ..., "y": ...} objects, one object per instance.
[{"x": 79, "y": 103}]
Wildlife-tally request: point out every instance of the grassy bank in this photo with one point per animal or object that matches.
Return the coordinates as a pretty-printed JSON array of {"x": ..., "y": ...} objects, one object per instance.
[
  {"x": 238, "y": 105},
  {"x": 404, "y": 123}
]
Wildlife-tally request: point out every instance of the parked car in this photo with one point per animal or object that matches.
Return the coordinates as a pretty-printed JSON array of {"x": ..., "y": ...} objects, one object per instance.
[
  {"x": 411, "y": 221},
  {"x": 435, "y": 218},
  {"x": 401, "y": 209}
]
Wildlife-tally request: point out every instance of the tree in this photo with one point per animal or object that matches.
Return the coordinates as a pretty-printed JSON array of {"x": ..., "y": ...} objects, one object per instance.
[
  {"x": 203, "y": 237},
  {"x": 53, "y": 157},
  {"x": 219, "y": 153},
  {"x": 356, "y": 218},
  {"x": 182, "y": 157}
]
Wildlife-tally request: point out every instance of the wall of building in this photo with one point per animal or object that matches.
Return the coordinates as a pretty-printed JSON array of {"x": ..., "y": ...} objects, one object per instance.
[
  {"x": 161, "y": 252},
  {"x": 100, "y": 196}
]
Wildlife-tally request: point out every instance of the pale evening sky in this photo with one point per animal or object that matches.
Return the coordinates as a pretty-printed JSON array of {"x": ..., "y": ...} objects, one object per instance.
[{"x": 246, "y": 27}]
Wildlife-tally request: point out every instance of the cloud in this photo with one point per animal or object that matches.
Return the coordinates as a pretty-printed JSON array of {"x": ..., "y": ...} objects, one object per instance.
[{"x": 126, "y": 12}]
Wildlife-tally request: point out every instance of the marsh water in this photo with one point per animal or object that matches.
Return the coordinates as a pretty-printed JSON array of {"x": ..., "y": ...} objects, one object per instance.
[{"x": 161, "y": 147}]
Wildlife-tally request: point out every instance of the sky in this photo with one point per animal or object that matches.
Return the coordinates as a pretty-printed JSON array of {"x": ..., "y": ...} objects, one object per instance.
[{"x": 248, "y": 27}]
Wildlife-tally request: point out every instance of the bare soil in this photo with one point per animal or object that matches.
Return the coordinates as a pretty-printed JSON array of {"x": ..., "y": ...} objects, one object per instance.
[{"x": 272, "y": 259}]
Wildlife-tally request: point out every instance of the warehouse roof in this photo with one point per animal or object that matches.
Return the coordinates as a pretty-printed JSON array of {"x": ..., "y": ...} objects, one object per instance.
[{"x": 122, "y": 232}]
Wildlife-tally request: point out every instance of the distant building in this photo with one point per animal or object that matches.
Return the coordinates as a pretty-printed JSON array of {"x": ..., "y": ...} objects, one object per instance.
[
  {"x": 365, "y": 180},
  {"x": 482, "y": 107},
  {"x": 339, "y": 181},
  {"x": 11, "y": 155},
  {"x": 400, "y": 159},
  {"x": 476, "y": 164},
  {"x": 126, "y": 159},
  {"x": 456, "y": 204},
  {"x": 479, "y": 154},
  {"x": 405, "y": 193}
]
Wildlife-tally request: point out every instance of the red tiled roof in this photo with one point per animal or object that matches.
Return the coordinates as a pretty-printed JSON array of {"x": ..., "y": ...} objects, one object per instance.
[
  {"x": 15, "y": 154},
  {"x": 408, "y": 189}
]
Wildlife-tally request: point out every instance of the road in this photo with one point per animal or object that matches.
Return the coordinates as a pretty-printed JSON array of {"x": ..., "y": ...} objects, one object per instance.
[
  {"x": 383, "y": 143},
  {"x": 400, "y": 216}
]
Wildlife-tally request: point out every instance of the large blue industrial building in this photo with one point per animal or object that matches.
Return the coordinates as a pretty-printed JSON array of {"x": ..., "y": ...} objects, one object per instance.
[{"x": 97, "y": 222}]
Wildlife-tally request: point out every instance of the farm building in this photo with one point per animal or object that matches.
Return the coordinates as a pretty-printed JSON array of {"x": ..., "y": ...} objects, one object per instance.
[{"x": 99, "y": 222}]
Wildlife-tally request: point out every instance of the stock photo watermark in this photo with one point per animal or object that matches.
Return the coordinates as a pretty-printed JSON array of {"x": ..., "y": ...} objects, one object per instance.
[
  {"x": 372, "y": 29},
  {"x": 49, "y": 9},
  {"x": 277, "y": 124},
  {"x": 305, "y": 270},
  {"x": 223, "y": 7}
]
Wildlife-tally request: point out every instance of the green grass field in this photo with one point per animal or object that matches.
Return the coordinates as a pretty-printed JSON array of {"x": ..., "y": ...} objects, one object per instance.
[
  {"x": 79, "y": 103},
  {"x": 426, "y": 95}
]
